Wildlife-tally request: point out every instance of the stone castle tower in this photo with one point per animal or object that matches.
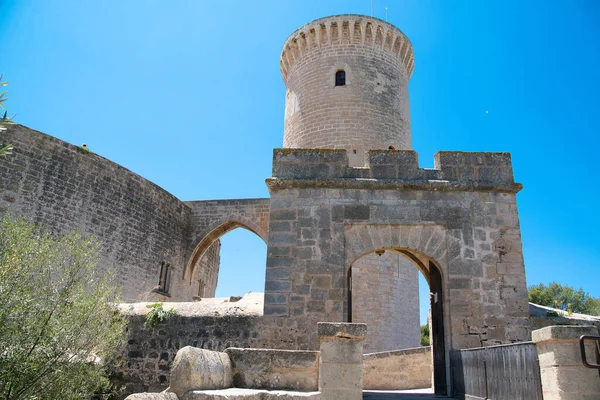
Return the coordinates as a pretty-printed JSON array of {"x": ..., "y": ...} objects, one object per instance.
[{"x": 347, "y": 88}]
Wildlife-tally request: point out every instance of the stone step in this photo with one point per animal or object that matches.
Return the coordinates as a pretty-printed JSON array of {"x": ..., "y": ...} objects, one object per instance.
[{"x": 249, "y": 394}]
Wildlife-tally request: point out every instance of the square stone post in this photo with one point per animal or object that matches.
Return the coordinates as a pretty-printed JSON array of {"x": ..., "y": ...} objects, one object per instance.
[
  {"x": 341, "y": 360},
  {"x": 564, "y": 377}
]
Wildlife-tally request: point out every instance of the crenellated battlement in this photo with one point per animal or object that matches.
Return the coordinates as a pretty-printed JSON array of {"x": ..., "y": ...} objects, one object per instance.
[
  {"x": 342, "y": 30},
  {"x": 390, "y": 168}
]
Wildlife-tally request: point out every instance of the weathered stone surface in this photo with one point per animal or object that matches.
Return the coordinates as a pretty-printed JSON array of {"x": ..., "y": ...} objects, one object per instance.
[
  {"x": 212, "y": 324},
  {"x": 153, "y": 396},
  {"x": 561, "y": 332},
  {"x": 197, "y": 369},
  {"x": 342, "y": 330},
  {"x": 250, "y": 394},
  {"x": 392, "y": 316},
  {"x": 274, "y": 369},
  {"x": 341, "y": 360},
  {"x": 563, "y": 374},
  {"x": 398, "y": 370},
  {"x": 66, "y": 189}
]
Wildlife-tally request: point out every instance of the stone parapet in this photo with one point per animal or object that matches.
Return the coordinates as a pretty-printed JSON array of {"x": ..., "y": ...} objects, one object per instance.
[
  {"x": 393, "y": 169},
  {"x": 564, "y": 377},
  {"x": 343, "y": 30}
]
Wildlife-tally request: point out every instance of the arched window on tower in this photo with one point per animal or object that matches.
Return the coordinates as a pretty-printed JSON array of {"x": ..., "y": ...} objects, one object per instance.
[{"x": 340, "y": 78}]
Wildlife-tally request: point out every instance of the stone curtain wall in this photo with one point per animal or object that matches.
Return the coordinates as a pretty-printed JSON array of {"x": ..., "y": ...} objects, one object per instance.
[
  {"x": 371, "y": 111},
  {"x": 67, "y": 189},
  {"x": 462, "y": 215},
  {"x": 213, "y": 218},
  {"x": 392, "y": 314}
]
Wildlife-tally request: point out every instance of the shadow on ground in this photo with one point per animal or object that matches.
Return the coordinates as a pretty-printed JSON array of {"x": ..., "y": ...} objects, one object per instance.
[{"x": 401, "y": 395}]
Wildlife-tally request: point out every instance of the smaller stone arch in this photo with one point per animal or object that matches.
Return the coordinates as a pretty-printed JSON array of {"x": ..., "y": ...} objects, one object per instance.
[{"x": 207, "y": 241}]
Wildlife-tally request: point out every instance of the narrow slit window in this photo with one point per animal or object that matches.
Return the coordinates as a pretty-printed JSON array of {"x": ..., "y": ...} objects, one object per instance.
[
  {"x": 340, "y": 78},
  {"x": 164, "y": 278}
]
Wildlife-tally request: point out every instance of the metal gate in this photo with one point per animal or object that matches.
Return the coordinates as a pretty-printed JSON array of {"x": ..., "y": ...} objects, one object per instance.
[{"x": 506, "y": 372}]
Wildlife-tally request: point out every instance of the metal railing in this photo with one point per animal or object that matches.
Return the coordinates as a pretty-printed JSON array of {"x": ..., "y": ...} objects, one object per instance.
[{"x": 584, "y": 359}]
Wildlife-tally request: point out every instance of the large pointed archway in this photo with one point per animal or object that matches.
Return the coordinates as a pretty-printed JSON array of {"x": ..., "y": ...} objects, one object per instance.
[{"x": 363, "y": 240}]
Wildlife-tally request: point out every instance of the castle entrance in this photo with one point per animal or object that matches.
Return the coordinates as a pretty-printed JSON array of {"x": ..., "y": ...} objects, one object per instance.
[{"x": 376, "y": 296}]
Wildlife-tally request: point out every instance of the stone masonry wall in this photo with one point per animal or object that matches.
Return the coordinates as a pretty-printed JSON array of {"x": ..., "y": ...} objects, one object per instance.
[
  {"x": 65, "y": 188},
  {"x": 206, "y": 272},
  {"x": 145, "y": 359},
  {"x": 385, "y": 293},
  {"x": 462, "y": 216},
  {"x": 398, "y": 370}
]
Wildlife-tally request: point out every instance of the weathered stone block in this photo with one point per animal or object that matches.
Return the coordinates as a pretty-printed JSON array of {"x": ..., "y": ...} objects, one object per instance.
[
  {"x": 278, "y": 285},
  {"x": 274, "y": 369},
  {"x": 195, "y": 368},
  {"x": 276, "y": 298},
  {"x": 356, "y": 212},
  {"x": 342, "y": 351}
]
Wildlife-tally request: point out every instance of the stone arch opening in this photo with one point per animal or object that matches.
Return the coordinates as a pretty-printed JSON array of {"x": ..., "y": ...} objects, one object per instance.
[
  {"x": 425, "y": 246},
  {"x": 210, "y": 246},
  {"x": 384, "y": 314}
]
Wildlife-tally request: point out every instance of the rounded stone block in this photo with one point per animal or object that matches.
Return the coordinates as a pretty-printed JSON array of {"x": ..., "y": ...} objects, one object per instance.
[{"x": 198, "y": 369}]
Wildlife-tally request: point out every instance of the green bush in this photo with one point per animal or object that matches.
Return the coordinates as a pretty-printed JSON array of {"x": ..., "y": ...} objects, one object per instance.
[
  {"x": 157, "y": 314},
  {"x": 425, "y": 337},
  {"x": 58, "y": 321}
]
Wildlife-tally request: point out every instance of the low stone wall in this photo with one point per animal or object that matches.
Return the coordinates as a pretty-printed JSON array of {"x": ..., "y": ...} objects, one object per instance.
[
  {"x": 275, "y": 369},
  {"x": 541, "y": 317},
  {"x": 214, "y": 324},
  {"x": 398, "y": 369}
]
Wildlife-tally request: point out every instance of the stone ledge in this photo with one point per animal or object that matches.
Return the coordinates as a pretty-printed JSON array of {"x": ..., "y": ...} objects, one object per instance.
[
  {"x": 249, "y": 394},
  {"x": 403, "y": 352},
  {"x": 562, "y": 332},
  {"x": 275, "y": 184},
  {"x": 342, "y": 330}
]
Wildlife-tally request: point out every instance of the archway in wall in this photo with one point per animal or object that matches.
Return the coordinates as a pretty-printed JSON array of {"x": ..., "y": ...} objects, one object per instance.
[
  {"x": 376, "y": 296},
  {"x": 229, "y": 261}
]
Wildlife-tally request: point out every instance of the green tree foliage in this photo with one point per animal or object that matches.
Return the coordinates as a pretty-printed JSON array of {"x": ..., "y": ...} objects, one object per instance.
[
  {"x": 425, "y": 337},
  {"x": 57, "y": 319},
  {"x": 4, "y": 148},
  {"x": 565, "y": 298}
]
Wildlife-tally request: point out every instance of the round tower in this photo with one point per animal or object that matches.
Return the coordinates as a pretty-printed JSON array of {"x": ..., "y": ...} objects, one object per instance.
[{"x": 347, "y": 86}]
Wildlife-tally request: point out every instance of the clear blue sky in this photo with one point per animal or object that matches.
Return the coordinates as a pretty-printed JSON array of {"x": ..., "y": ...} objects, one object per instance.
[{"x": 188, "y": 94}]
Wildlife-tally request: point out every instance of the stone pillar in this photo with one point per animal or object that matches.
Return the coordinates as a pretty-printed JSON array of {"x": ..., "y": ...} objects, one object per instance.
[
  {"x": 564, "y": 377},
  {"x": 341, "y": 360}
]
